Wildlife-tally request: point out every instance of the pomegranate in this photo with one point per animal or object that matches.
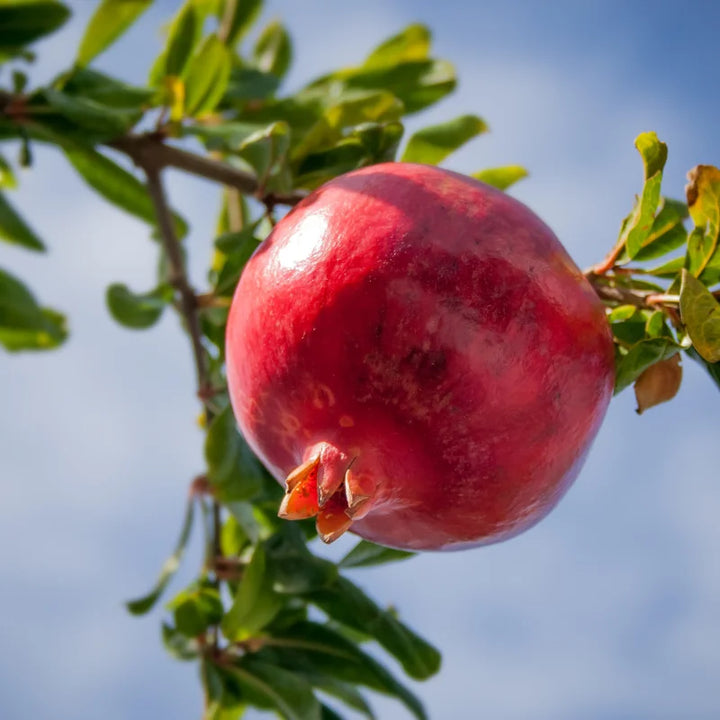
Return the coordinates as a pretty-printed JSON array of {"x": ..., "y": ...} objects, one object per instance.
[{"x": 417, "y": 357}]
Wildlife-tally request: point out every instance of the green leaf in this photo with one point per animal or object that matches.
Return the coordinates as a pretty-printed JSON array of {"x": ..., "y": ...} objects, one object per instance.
[
  {"x": 109, "y": 21},
  {"x": 196, "y": 609},
  {"x": 433, "y": 144},
  {"x": 255, "y": 604},
  {"x": 237, "y": 18},
  {"x": 101, "y": 121},
  {"x": 273, "y": 50},
  {"x": 323, "y": 654},
  {"x": 24, "y": 21},
  {"x": 501, "y": 177},
  {"x": 366, "y": 553},
  {"x": 14, "y": 230},
  {"x": 245, "y": 243},
  {"x": 185, "y": 33},
  {"x": 348, "y": 604},
  {"x": 24, "y": 325},
  {"x": 106, "y": 90},
  {"x": 640, "y": 357},
  {"x": 7, "y": 176},
  {"x": 137, "y": 311},
  {"x": 117, "y": 185},
  {"x": 667, "y": 232},
  {"x": 233, "y": 470},
  {"x": 178, "y": 645},
  {"x": 669, "y": 269},
  {"x": 248, "y": 83},
  {"x": 292, "y": 568},
  {"x": 273, "y": 688},
  {"x": 345, "y": 692},
  {"x": 700, "y": 313},
  {"x": 207, "y": 77},
  {"x": 703, "y": 199},
  {"x": 145, "y": 604},
  {"x": 266, "y": 150},
  {"x": 638, "y": 224},
  {"x": 412, "y": 43},
  {"x": 713, "y": 369},
  {"x": 417, "y": 84}
]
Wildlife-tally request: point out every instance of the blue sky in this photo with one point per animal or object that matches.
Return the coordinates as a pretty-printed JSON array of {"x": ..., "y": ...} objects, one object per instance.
[{"x": 606, "y": 610}]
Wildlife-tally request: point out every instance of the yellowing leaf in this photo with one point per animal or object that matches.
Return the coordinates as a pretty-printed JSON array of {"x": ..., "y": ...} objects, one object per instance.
[
  {"x": 501, "y": 177},
  {"x": 413, "y": 43},
  {"x": 637, "y": 226},
  {"x": 700, "y": 312},
  {"x": 703, "y": 198}
]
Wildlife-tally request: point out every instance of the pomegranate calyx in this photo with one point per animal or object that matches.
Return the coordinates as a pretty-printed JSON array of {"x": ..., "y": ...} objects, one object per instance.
[{"x": 301, "y": 500}]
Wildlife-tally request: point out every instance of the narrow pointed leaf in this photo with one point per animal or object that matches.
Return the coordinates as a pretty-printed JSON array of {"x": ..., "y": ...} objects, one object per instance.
[
  {"x": 348, "y": 604},
  {"x": 207, "y": 77},
  {"x": 117, "y": 185},
  {"x": 273, "y": 688},
  {"x": 14, "y": 230},
  {"x": 237, "y": 17},
  {"x": 432, "y": 145},
  {"x": 638, "y": 224},
  {"x": 144, "y": 604},
  {"x": 700, "y": 312},
  {"x": 24, "y": 21},
  {"x": 255, "y": 604},
  {"x": 7, "y": 176},
  {"x": 365, "y": 554},
  {"x": 109, "y": 21},
  {"x": 501, "y": 177},
  {"x": 273, "y": 50}
]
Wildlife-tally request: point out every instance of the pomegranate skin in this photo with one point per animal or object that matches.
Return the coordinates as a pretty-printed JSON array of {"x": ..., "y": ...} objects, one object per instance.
[{"x": 423, "y": 340}]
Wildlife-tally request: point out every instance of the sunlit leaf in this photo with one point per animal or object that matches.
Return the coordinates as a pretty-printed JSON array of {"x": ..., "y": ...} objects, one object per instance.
[
  {"x": 501, "y": 177},
  {"x": 7, "y": 176},
  {"x": 433, "y": 144},
  {"x": 24, "y": 325},
  {"x": 640, "y": 357},
  {"x": 206, "y": 77},
  {"x": 14, "y": 230},
  {"x": 700, "y": 312},
  {"x": 109, "y": 21},
  {"x": 638, "y": 224},
  {"x": 273, "y": 50},
  {"x": 146, "y": 603},
  {"x": 703, "y": 198},
  {"x": 237, "y": 17},
  {"x": 195, "y": 609},
  {"x": 412, "y": 43}
]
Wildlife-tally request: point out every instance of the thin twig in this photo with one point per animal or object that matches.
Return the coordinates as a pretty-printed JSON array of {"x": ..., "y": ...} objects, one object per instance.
[
  {"x": 178, "y": 274},
  {"x": 150, "y": 150}
]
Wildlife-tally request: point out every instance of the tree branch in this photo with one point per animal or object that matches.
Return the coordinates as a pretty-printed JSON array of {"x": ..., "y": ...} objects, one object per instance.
[
  {"x": 178, "y": 274},
  {"x": 150, "y": 151}
]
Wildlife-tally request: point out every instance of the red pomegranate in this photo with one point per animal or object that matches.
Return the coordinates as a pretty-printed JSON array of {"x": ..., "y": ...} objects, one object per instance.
[{"x": 416, "y": 355}]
